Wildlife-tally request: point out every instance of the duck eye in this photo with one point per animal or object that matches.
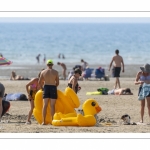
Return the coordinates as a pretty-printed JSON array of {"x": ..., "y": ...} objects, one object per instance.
[{"x": 93, "y": 103}]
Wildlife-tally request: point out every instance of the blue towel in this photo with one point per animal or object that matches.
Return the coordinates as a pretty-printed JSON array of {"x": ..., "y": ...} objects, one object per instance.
[{"x": 145, "y": 91}]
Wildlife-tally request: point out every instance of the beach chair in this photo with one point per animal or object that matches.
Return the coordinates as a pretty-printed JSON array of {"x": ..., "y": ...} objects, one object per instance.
[
  {"x": 87, "y": 73},
  {"x": 100, "y": 73}
]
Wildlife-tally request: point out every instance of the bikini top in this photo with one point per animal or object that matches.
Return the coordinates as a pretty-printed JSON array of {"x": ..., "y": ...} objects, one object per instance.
[
  {"x": 76, "y": 87},
  {"x": 144, "y": 78},
  {"x": 33, "y": 86}
]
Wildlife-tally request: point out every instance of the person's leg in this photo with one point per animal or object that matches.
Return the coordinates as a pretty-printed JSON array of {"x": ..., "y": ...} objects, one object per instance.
[
  {"x": 52, "y": 104},
  {"x": 31, "y": 111},
  {"x": 45, "y": 104},
  {"x": 1, "y": 108},
  {"x": 64, "y": 74},
  {"x": 142, "y": 110},
  {"x": 148, "y": 106},
  {"x": 2, "y": 91},
  {"x": 118, "y": 82}
]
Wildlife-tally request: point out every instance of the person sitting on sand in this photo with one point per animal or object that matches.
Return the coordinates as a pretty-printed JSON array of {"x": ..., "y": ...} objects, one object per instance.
[
  {"x": 17, "y": 77},
  {"x": 73, "y": 81},
  {"x": 32, "y": 88},
  {"x": 121, "y": 91}
]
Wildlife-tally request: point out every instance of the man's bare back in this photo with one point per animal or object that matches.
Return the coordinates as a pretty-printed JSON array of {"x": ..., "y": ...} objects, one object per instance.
[{"x": 50, "y": 77}]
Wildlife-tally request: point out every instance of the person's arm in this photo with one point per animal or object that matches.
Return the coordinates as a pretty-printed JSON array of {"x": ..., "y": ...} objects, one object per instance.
[
  {"x": 41, "y": 80},
  {"x": 57, "y": 80},
  {"x": 27, "y": 88},
  {"x": 122, "y": 65},
  {"x": 137, "y": 79},
  {"x": 111, "y": 63}
]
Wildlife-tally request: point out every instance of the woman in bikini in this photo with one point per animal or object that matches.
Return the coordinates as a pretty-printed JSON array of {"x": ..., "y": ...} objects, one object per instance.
[
  {"x": 73, "y": 81},
  {"x": 143, "y": 77},
  {"x": 32, "y": 88}
]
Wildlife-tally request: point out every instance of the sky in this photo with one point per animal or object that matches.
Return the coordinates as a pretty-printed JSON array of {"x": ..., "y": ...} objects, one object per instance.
[{"x": 77, "y": 19}]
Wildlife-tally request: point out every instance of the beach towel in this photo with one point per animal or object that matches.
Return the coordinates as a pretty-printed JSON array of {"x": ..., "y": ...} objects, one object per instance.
[
  {"x": 15, "y": 97},
  {"x": 94, "y": 93},
  {"x": 145, "y": 91}
]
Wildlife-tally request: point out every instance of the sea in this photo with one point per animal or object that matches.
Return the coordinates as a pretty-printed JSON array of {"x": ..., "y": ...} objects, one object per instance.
[{"x": 94, "y": 42}]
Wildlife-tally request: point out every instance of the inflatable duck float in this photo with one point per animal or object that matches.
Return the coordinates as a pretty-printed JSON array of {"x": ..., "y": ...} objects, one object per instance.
[
  {"x": 65, "y": 114},
  {"x": 90, "y": 108},
  {"x": 66, "y": 103}
]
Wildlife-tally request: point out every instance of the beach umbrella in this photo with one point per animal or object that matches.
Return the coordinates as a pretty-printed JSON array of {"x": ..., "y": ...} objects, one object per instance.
[{"x": 4, "y": 61}]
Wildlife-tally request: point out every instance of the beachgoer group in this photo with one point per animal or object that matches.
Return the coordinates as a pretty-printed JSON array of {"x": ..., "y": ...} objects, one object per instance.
[{"x": 48, "y": 81}]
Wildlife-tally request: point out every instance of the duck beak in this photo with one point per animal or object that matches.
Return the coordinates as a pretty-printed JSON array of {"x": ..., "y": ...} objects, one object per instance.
[{"x": 98, "y": 109}]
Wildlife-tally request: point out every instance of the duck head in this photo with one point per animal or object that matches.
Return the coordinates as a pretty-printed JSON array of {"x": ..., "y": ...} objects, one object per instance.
[{"x": 91, "y": 107}]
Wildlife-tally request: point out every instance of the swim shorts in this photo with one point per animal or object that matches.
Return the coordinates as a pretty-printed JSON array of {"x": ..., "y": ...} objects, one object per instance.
[
  {"x": 111, "y": 92},
  {"x": 2, "y": 90},
  {"x": 50, "y": 91},
  {"x": 116, "y": 71}
]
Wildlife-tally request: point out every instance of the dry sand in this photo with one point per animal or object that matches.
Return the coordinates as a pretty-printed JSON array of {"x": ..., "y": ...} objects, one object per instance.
[{"x": 113, "y": 107}]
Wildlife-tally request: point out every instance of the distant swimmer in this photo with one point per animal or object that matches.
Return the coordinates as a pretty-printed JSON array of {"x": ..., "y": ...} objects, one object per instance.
[
  {"x": 59, "y": 55},
  {"x": 63, "y": 56},
  {"x": 44, "y": 59},
  {"x": 38, "y": 58}
]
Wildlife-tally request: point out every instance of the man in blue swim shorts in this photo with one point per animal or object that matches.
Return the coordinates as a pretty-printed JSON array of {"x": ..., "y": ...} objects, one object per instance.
[
  {"x": 51, "y": 80},
  {"x": 118, "y": 61}
]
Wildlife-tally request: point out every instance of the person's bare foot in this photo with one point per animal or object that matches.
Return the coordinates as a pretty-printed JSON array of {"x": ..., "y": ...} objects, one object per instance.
[{"x": 43, "y": 123}]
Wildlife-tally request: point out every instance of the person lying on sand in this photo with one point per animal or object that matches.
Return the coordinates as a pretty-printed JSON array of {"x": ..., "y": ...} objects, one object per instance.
[
  {"x": 17, "y": 77},
  {"x": 121, "y": 91}
]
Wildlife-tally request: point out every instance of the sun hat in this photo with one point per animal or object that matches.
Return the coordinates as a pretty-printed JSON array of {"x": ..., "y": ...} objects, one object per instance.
[
  {"x": 146, "y": 68},
  {"x": 49, "y": 62}
]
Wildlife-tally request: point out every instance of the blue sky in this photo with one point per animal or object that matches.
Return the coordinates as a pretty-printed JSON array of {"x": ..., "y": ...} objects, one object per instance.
[{"x": 77, "y": 19}]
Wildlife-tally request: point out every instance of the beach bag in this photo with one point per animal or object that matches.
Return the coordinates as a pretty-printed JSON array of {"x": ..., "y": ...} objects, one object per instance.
[{"x": 103, "y": 90}]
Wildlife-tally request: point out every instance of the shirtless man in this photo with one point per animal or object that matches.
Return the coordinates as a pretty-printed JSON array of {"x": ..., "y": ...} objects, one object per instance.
[
  {"x": 51, "y": 80},
  {"x": 64, "y": 69},
  {"x": 118, "y": 61}
]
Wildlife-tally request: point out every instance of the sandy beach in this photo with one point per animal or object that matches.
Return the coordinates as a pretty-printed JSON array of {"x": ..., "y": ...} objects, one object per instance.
[{"x": 113, "y": 107}]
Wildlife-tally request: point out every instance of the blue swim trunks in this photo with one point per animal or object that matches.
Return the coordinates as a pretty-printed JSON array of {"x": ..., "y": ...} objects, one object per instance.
[{"x": 50, "y": 91}]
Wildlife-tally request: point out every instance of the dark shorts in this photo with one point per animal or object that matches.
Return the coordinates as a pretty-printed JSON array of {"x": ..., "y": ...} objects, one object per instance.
[
  {"x": 2, "y": 90},
  {"x": 50, "y": 91},
  {"x": 140, "y": 90},
  {"x": 116, "y": 71},
  {"x": 6, "y": 106}
]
